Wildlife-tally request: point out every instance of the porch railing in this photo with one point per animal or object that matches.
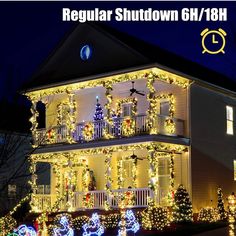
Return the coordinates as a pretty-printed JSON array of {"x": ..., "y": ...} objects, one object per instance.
[
  {"x": 58, "y": 134},
  {"x": 134, "y": 198}
]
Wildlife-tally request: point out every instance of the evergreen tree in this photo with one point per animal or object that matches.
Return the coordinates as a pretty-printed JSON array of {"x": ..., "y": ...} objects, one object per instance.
[
  {"x": 220, "y": 204},
  {"x": 98, "y": 115},
  {"x": 182, "y": 209}
]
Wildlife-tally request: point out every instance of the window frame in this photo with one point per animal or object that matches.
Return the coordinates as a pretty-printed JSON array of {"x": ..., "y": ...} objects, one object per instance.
[{"x": 229, "y": 120}]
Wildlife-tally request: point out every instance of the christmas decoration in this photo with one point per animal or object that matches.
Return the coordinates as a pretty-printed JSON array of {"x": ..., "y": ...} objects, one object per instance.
[
  {"x": 111, "y": 220},
  {"x": 220, "y": 204},
  {"x": 63, "y": 226},
  {"x": 131, "y": 224},
  {"x": 208, "y": 214},
  {"x": 7, "y": 224},
  {"x": 88, "y": 200},
  {"x": 154, "y": 218},
  {"x": 88, "y": 131},
  {"x": 51, "y": 136},
  {"x": 182, "y": 208},
  {"x": 98, "y": 115},
  {"x": 24, "y": 230},
  {"x": 79, "y": 221},
  {"x": 93, "y": 227},
  {"x": 232, "y": 210}
]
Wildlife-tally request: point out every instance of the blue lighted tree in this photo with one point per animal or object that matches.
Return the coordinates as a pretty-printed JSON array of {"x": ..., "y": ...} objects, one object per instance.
[{"x": 98, "y": 115}]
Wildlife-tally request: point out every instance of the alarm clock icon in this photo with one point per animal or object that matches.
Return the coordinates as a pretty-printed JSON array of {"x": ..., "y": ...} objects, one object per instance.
[{"x": 213, "y": 41}]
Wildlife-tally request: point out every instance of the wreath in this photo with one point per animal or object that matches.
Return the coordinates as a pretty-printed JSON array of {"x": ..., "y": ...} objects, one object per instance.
[
  {"x": 88, "y": 131},
  {"x": 128, "y": 126},
  {"x": 88, "y": 200},
  {"x": 169, "y": 126},
  {"x": 51, "y": 136}
]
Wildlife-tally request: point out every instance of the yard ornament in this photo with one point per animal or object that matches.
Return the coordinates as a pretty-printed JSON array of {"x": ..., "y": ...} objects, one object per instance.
[
  {"x": 24, "y": 230},
  {"x": 93, "y": 227},
  {"x": 65, "y": 229},
  {"x": 131, "y": 224}
]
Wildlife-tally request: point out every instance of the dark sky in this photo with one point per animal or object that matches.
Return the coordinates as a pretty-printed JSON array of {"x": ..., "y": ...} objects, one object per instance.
[{"x": 30, "y": 30}]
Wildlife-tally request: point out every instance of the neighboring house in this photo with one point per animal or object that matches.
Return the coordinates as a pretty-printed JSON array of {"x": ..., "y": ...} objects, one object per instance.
[
  {"x": 14, "y": 168},
  {"x": 181, "y": 132}
]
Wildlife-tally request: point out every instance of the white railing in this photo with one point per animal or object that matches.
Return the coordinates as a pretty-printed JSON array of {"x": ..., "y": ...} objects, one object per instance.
[
  {"x": 42, "y": 201},
  {"x": 58, "y": 134},
  {"x": 136, "y": 197}
]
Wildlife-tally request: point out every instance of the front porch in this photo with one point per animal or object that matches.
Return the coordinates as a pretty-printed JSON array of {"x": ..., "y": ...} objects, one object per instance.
[
  {"x": 134, "y": 198},
  {"x": 105, "y": 178}
]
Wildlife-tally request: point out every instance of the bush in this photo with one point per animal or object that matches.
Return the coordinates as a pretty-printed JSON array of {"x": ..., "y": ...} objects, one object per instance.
[{"x": 208, "y": 214}]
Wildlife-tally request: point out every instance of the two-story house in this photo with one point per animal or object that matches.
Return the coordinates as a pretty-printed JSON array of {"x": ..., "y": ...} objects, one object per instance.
[{"x": 128, "y": 120}]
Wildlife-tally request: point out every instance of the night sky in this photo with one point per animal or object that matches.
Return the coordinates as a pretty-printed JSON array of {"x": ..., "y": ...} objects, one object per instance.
[{"x": 30, "y": 31}]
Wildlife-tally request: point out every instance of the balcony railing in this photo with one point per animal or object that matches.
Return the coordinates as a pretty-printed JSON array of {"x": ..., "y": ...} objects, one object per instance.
[
  {"x": 58, "y": 134},
  {"x": 134, "y": 198}
]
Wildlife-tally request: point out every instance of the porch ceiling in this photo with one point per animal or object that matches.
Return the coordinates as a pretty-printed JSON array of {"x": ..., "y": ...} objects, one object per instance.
[{"x": 113, "y": 142}]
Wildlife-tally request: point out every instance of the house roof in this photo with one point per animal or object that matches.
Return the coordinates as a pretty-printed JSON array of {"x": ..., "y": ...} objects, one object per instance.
[{"x": 112, "y": 51}]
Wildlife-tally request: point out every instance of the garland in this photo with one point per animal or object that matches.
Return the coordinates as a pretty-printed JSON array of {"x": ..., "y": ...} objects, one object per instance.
[{"x": 88, "y": 131}]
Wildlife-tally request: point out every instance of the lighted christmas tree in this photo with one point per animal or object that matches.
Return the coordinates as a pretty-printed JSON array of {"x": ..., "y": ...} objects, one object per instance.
[
  {"x": 220, "y": 204},
  {"x": 98, "y": 115},
  {"x": 182, "y": 209}
]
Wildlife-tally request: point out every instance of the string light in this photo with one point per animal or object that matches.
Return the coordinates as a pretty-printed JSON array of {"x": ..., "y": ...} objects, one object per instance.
[
  {"x": 62, "y": 225},
  {"x": 23, "y": 230},
  {"x": 208, "y": 214}
]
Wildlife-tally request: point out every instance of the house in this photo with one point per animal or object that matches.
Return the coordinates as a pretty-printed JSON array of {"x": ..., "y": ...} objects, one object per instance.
[{"x": 127, "y": 122}]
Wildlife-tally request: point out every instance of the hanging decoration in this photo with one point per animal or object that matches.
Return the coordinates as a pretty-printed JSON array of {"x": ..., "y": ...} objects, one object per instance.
[
  {"x": 120, "y": 179},
  {"x": 128, "y": 123},
  {"x": 88, "y": 131},
  {"x": 131, "y": 224},
  {"x": 62, "y": 225},
  {"x": 93, "y": 227},
  {"x": 7, "y": 224},
  {"x": 88, "y": 200},
  {"x": 51, "y": 136}
]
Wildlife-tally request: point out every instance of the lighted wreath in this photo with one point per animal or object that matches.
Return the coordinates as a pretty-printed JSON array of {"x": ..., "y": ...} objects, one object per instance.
[
  {"x": 88, "y": 200},
  {"x": 88, "y": 131},
  {"x": 169, "y": 126},
  {"x": 51, "y": 136},
  {"x": 128, "y": 126}
]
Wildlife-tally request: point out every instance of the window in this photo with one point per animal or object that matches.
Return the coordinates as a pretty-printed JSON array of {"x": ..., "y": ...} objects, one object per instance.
[
  {"x": 164, "y": 108},
  {"x": 229, "y": 120},
  {"x": 126, "y": 109},
  {"x": 235, "y": 170},
  {"x": 11, "y": 191}
]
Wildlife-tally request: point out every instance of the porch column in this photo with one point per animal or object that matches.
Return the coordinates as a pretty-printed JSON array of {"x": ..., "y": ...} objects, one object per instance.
[
  {"x": 108, "y": 179},
  {"x": 71, "y": 121},
  {"x": 33, "y": 185},
  {"x": 33, "y": 119},
  {"x": 56, "y": 169},
  {"x": 153, "y": 174},
  {"x": 172, "y": 175},
  {"x": 152, "y": 110},
  {"x": 108, "y": 116}
]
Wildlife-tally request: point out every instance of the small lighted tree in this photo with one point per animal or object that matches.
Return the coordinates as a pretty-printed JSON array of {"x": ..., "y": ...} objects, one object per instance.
[
  {"x": 220, "y": 204},
  {"x": 182, "y": 209},
  {"x": 98, "y": 115}
]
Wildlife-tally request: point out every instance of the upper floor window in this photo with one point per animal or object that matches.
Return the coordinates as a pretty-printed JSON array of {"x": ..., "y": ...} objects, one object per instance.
[
  {"x": 11, "y": 190},
  {"x": 126, "y": 109},
  {"x": 229, "y": 120}
]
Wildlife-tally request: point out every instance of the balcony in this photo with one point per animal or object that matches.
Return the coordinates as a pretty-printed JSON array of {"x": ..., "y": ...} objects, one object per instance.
[
  {"x": 101, "y": 129},
  {"x": 135, "y": 198}
]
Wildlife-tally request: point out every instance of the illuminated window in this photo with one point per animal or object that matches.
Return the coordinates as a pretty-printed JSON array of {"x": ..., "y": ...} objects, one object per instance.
[
  {"x": 229, "y": 120},
  {"x": 235, "y": 170}
]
